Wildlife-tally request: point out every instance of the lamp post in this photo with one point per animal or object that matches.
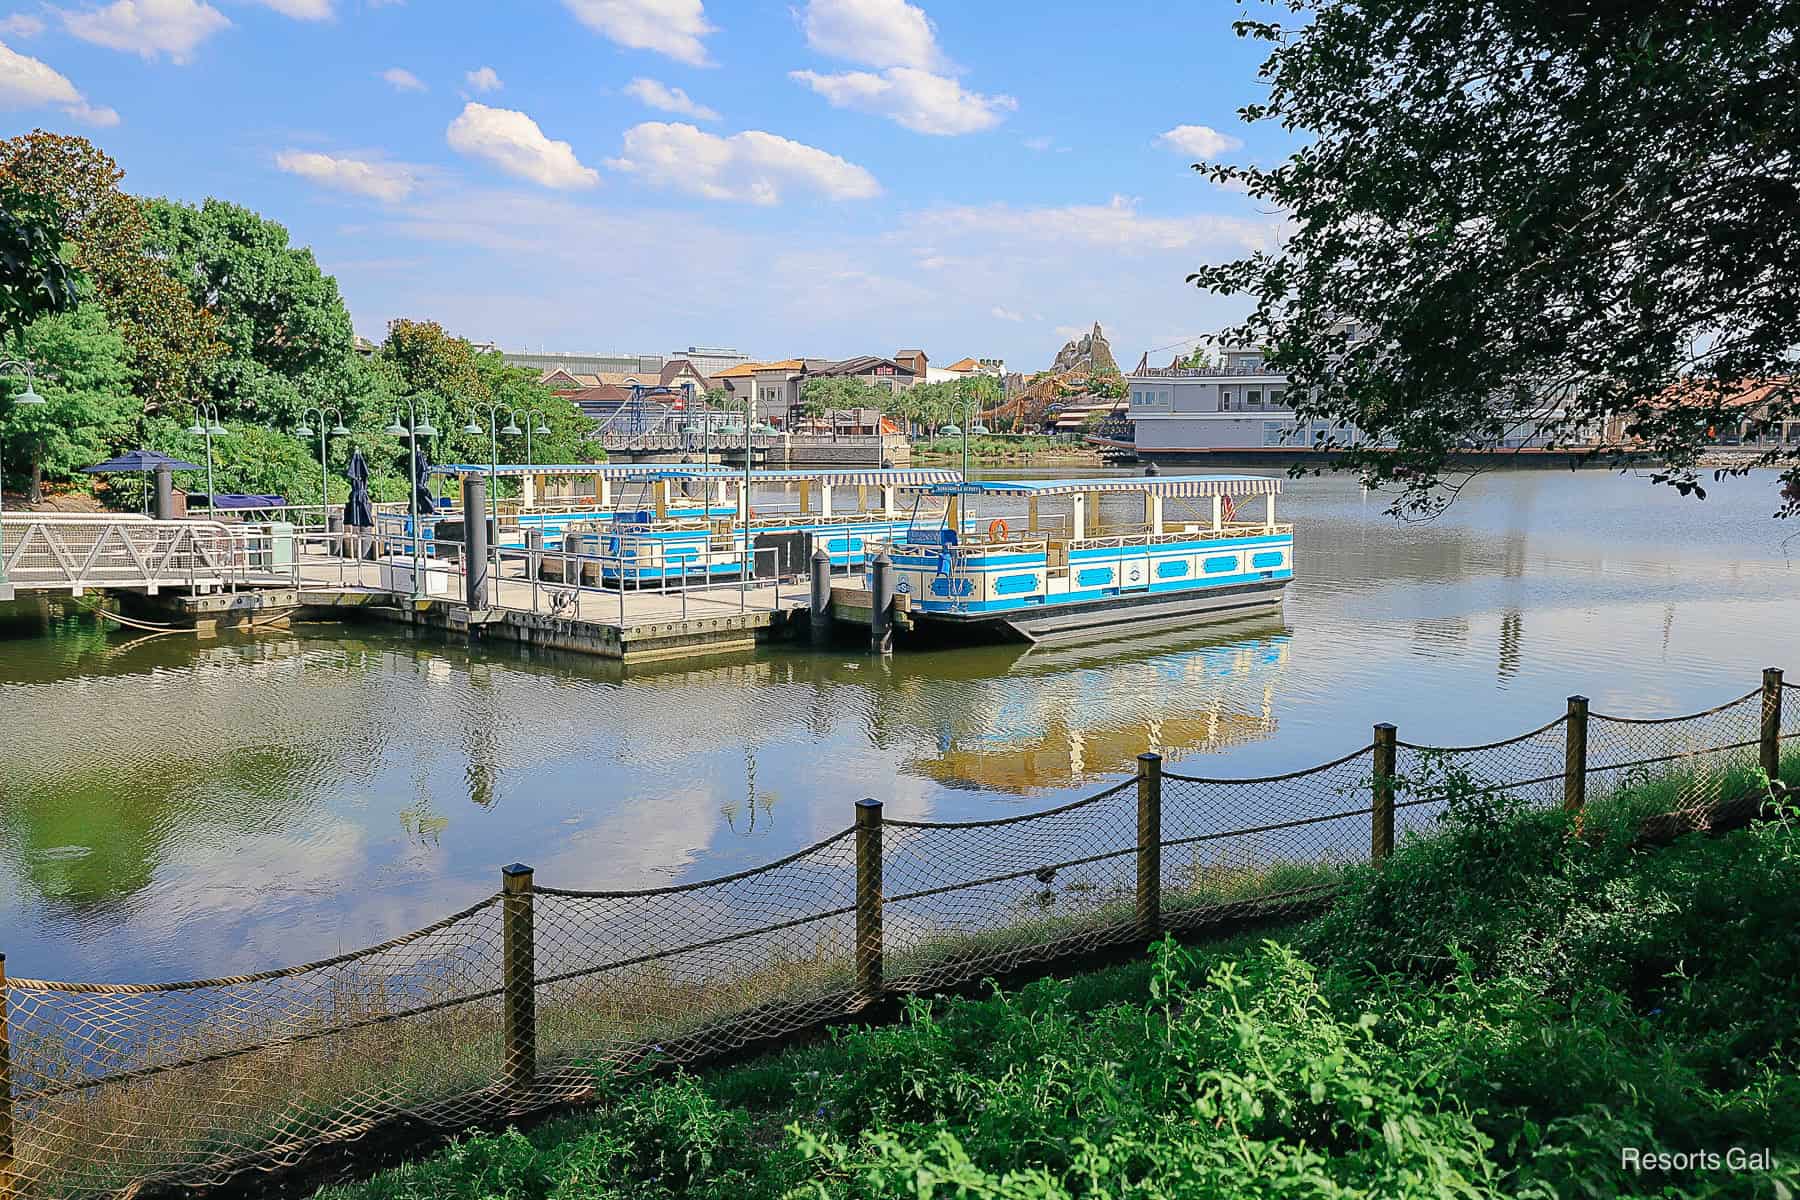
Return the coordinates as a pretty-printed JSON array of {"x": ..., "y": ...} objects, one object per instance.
[
  {"x": 12, "y": 366},
  {"x": 413, "y": 430},
  {"x": 206, "y": 425},
  {"x": 493, "y": 513},
  {"x": 337, "y": 430},
  {"x": 539, "y": 427}
]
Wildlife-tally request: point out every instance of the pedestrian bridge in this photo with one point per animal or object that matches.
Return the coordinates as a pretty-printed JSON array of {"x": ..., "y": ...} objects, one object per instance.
[{"x": 79, "y": 552}]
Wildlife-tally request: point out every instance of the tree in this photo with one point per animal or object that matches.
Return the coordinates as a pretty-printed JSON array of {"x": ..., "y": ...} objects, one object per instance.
[
  {"x": 282, "y": 322},
  {"x": 1509, "y": 215},
  {"x": 76, "y": 187},
  {"x": 34, "y": 280},
  {"x": 841, "y": 393},
  {"x": 83, "y": 372}
]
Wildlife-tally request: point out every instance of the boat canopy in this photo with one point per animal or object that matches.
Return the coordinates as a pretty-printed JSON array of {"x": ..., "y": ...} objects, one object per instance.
[
  {"x": 903, "y": 477},
  {"x": 1162, "y": 485}
]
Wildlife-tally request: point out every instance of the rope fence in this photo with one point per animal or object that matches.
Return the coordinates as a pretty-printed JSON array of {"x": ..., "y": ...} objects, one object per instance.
[{"x": 534, "y": 995}]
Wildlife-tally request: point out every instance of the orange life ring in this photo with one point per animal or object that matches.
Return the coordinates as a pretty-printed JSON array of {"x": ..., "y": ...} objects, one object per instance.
[{"x": 997, "y": 530}]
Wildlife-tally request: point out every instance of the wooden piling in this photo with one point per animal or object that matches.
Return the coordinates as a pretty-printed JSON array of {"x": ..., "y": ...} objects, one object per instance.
[
  {"x": 1381, "y": 836},
  {"x": 1769, "y": 744},
  {"x": 518, "y": 958},
  {"x": 1149, "y": 846},
  {"x": 1575, "y": 754},
  {"x": 868, "y": 898}
]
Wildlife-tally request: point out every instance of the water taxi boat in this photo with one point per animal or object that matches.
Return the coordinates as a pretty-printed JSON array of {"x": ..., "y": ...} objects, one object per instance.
[
  {"x": 843, "y": 512},
  {"x": 1047, "y": 558}
]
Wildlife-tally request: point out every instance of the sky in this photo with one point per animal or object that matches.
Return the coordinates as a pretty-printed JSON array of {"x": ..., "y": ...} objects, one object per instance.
[{"x": 817, "y": 178}]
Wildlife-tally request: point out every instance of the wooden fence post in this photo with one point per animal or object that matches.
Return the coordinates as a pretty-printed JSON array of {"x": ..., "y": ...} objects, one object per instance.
[
  {"x": 868, "y": 897},
  {"x": 9, "y": 1179},
  {"x": 1575, "y": 755},
  {"x": 1149, "y": 846},
  {"x": 518, "y": 960},
  {"x": 1381, "y": 834},
  {"x": 1769, "y": 752}
]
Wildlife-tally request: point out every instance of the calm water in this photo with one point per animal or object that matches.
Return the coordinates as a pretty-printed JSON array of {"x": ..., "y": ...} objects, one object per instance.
[{"x": 174, "y": 807}]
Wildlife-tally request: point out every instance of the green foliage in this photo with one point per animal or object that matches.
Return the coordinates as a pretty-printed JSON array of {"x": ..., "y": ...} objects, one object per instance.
[
  {"x": 285, "y": 329},
  {"x": 1507, "y": 214},
  {"x": 68, "y": 180},
  {"x": 458, "y": 387},
  {"x": 83, "y": 371},
  {"x": 34, "y": 280},
  {"x": 1500, "y": 1010},
  {"x": 837, "y": 393}
]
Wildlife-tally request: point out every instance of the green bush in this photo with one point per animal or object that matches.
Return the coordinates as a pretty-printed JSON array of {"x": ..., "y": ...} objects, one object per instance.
[{"x": 1505, "y": 1007}]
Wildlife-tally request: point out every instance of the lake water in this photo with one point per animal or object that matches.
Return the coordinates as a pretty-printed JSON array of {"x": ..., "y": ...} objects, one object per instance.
[{"x": 171, "y": 807}]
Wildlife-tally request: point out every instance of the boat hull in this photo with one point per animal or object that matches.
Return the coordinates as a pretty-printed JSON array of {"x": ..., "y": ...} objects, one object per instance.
[{"x": 1096, "y": 618}]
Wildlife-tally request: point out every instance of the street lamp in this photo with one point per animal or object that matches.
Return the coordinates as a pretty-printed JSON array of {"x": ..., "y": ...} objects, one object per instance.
[
  {"x": 413, "y": 430},
  {"x": 337, "y": 430},
  {"x": 13, "y": 366},
  {"x": 209, "y": 428},
  {"x": 540, "y": 428}
]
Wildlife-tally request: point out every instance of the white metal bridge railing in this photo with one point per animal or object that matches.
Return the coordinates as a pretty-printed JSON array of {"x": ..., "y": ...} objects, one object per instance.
[{"x": 78, "y": 552}]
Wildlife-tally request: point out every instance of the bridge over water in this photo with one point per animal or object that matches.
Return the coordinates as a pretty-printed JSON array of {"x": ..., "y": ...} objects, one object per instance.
[{"x": 82, "y": 552}]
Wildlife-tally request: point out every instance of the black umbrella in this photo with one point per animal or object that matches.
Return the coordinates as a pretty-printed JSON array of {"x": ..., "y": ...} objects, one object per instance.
[
  {"x": 139, "y": 460},
  {"x": 357, "y": 512},
  {"x": 422, "y": 487}
]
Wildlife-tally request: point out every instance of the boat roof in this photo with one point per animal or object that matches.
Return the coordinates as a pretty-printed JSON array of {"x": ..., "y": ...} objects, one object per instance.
[
  {"x": 1162, "y": 485},
  {"x": 899, "y": 476}
]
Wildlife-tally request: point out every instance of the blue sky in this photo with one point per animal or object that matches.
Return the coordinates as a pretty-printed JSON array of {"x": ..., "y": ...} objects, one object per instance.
[{"x": 790, "y": 177}]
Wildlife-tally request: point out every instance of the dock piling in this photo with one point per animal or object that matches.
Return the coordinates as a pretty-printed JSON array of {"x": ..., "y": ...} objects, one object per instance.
[
  {"x": 820, "y": 607},
  {"x": 475, "y": 541},
  {"x": 881, "y": 608}
]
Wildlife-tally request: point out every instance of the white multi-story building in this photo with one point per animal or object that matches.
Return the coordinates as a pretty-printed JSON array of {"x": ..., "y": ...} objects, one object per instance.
[{"x": 1241, "y": 404}]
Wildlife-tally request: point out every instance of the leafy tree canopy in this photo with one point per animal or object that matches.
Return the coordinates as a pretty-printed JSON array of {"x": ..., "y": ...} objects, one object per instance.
[
  {"x": 1509, "y": 213},
  {"x": 34, "y": 280},
  {"x": 284, "y": 326},
  {"x": 835, "y": 393},
  {"x": 75, "y": 187},
  {"x": 83, "y": 372}
]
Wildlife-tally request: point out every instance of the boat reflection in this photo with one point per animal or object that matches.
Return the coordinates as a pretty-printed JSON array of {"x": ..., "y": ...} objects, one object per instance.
[{"x": 1069, "y": 715}]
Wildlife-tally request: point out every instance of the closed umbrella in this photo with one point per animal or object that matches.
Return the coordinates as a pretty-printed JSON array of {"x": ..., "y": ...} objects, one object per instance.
[
  {"x": 422, "y": 464},
  {"x": 358, "y": 512}
]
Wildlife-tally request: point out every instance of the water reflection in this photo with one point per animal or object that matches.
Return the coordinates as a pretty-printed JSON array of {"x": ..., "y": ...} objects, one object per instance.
[{"x": 175, "y": 807}]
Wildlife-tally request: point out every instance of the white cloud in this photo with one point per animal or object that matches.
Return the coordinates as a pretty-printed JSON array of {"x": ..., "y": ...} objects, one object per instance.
[
  {"x": 1201, "y": 141},
  {"x": 1117, "y": 224},
  {"x": 513, "y": 142},
  {"x": 1005, "y": 314},
  {"x": 875, "y": 33},
  {"x": 668, "y": 99},
  {"x": 671, "y": 27},
  {"x": 148, "y": 27},
  {"x": 22, "y": 25},
  {"x": 26, "y": 82},
  {"x": 391, "y": 182},
  {"x": 752, "y": 166},
  {"x": 302, "y": 10},
  {"x": 919, "y": 100},
  {"x": 484, "y": 79},
  {"x": 403, "y": 80}
]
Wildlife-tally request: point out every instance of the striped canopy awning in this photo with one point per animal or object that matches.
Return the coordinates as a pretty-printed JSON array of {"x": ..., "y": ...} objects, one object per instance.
[
  {"x": 894, "y": 477},
  {"x": 1163, "y": 485}
]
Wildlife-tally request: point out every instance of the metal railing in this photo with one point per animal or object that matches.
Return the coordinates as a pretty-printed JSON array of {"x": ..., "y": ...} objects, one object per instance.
[{"x": 65, "y": 552}]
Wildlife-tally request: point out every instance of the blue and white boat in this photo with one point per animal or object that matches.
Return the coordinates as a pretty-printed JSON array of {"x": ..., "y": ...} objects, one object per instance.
[{"x": 1045, "y": 558}]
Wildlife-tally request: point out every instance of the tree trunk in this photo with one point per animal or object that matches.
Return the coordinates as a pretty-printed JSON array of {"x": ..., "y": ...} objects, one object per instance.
[{"x": 34, "y": 491}]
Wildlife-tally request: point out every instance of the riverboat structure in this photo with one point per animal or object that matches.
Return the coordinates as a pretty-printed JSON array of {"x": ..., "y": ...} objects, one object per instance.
[{"x": 1053, "y": 558}]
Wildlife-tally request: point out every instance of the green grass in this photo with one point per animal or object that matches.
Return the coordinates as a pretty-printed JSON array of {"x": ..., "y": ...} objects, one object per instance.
[
  {"x": 1001, "y": 447},
  {"x": 1510, "y": 1006}
]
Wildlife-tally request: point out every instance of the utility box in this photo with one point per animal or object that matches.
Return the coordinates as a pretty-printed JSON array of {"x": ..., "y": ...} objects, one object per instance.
[
  {"x": 272, "y": 546},
  {"x": 779, "y": 555},
  {"x": 397, "y": 576}
]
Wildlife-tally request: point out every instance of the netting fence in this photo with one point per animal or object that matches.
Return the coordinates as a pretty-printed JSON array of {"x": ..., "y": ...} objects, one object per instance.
[{"x": 530, "y": 997}]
